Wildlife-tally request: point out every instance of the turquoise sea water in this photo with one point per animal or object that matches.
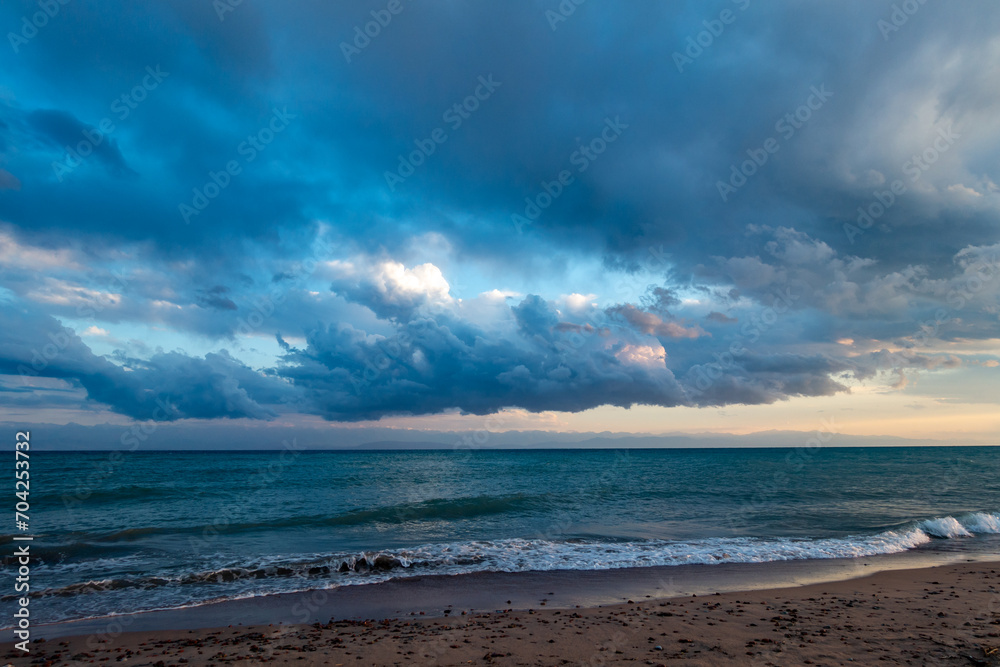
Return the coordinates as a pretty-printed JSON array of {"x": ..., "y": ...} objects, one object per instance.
[{"x": 132, "y": 531}]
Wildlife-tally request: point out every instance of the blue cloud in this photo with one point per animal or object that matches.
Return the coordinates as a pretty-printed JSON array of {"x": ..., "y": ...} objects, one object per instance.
[{"x": 833, "y": 233}]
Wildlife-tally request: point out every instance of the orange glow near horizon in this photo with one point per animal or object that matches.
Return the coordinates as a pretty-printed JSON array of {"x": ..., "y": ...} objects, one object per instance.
[{"x": 865, "y": 413}]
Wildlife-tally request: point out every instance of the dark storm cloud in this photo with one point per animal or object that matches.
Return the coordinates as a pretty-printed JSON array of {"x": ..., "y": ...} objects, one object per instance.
[
  {"x": 215, "y": 298},
  {"x": 15, "y": 394},
  {"x": 482, "y": 111},
  {"x": 861, "y": 295},
  {"x": 654, "y": 185},
  {"x": 437, "y": 361},
  {"x": 63, "y": 130},
  {"x": 652, "y": 324},
  {"x": 425, "y": 368},
  {"x": 722, "y": 318},
  {"x": 166, "y": 386},
  {"x": 549, "y": 364}
]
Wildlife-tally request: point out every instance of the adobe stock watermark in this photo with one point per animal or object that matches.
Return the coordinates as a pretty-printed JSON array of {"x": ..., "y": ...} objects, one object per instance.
[
  {"x": 590, "y": 492},
  {"x": 562, "y": 12},
  {"x": 795, "y": 461},
  {"x": 248, "y": 150},
  {"x": 983, "y": 272},
  {"x": 223, "y": 7},
  {"x": 122, "y": 107},
  {"x": 584, "y": 155},
  {"x": 461, "y": 453},
  {"x": 915, "y": 167},
  {"x": 264, "y": 306},
  {"x": 131, "y": 437},
  {"x": 656, "y": 262},
  {"x": 265, "y": 477},
  {"x": 363, "y": 36},
  {"x": 41, "y": 358},
  {"x": 705, "y": 375},
  {"x": 30, "y": 25},
  {"x": 389, "y": 352},
  {"x": 786, "y": 126},
  {"x": 455, "y": 116},
  {"x": 899, "y": 16},
  {"x": 697, "y": 43}
]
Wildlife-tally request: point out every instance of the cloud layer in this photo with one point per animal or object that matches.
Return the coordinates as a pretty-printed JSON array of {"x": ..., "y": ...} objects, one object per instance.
[{"x": 476, "y": 207}]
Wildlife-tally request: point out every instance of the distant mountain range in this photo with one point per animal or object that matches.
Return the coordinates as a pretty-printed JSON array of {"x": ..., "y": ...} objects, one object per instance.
[{"x": 222, "y": 436}]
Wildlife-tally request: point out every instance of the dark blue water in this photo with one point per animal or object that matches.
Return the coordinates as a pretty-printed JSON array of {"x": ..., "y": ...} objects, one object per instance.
[{"x": 123, "y": 532}]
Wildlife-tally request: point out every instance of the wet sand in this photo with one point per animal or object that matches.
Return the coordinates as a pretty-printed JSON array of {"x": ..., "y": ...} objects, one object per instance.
[{"x": 946, "y": 615}]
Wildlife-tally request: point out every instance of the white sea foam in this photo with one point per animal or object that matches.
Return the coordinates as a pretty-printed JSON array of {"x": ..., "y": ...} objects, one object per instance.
[
  {"x": 516, "y": 555},
  {"x": 947, "y": 526},
  {"x": 524, "y": 554},
  {"x": 982, "y": 523},
  {"x": 520, "y": 555},
  {"x": 281, "y": 573}
]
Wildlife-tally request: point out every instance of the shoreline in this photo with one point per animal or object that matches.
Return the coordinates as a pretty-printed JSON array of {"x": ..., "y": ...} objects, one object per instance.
[
  {"x": 438, "y": 595},
  {"x": 435, "y": 595},
  {"x": 905, "y": 614}
]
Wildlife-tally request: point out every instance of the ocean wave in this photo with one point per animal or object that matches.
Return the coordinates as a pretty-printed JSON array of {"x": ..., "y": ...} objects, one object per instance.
[
  {"x": 59, "y": 553},
  {"x": 966, "y": 525},
  {"x": 312, "y": 568},
  {"x": 519, "y": 555},
  {"x": 110, "y": 495},
  {"x": 947, "y": 527},
  {"x": 424, "y": 510},
  {"x": 982, "y": 523}
]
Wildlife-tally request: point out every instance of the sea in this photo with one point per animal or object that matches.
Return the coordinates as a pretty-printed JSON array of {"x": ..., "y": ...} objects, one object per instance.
[{"x": 116, "y": 533}]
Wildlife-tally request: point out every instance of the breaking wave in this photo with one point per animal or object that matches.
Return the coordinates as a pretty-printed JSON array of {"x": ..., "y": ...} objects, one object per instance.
[{"x": 520, "y": 555}]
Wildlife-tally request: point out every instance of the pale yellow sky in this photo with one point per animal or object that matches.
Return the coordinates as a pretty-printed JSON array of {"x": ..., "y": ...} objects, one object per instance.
[{"x": 865, "y": 411}]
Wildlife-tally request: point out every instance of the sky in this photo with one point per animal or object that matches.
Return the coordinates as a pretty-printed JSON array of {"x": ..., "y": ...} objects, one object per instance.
[{"x": 705, "y": 217}]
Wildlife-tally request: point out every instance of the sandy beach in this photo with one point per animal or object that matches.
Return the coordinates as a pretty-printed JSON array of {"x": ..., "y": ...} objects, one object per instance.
[{"x": 947, "y": 615}]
